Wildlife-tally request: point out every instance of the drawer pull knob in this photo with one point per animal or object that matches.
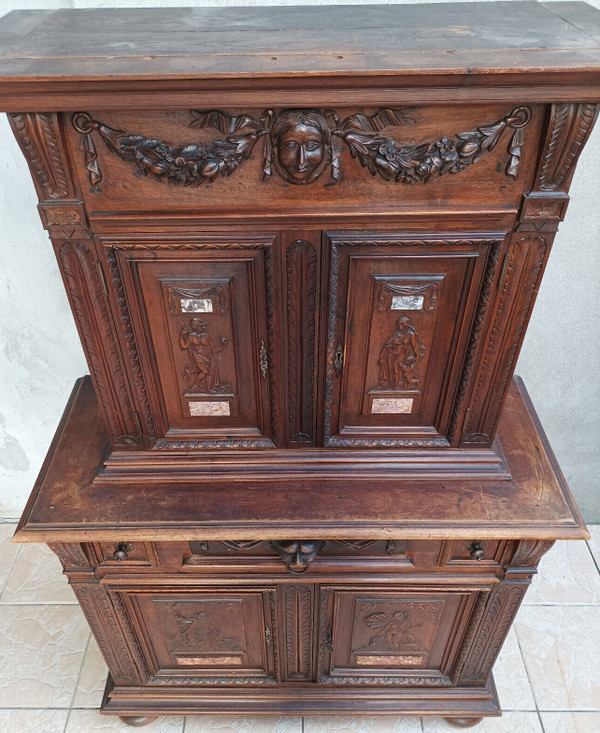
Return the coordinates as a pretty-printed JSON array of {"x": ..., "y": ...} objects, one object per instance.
[
  {"x": 122, "y": 550},
  {"x": 476, "y": 549}
]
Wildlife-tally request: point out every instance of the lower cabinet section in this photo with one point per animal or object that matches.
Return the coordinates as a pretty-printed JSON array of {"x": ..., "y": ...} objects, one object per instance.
[{"x": 359, "y": 630}]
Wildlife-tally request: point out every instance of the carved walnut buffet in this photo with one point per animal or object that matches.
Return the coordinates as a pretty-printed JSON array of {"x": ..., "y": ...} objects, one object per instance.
[{"x": 301, "y": 246}]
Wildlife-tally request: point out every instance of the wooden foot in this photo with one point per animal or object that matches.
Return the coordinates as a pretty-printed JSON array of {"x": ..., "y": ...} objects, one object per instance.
[
  {"x": 137, "y": 720},
  {"x": 463, "y": 722}
]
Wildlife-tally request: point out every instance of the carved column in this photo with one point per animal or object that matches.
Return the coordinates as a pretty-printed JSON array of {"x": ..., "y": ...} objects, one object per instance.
[{"x": 542, "y": 209}]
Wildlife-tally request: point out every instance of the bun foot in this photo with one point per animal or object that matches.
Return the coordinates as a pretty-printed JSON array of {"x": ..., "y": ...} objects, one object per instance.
[
  {"x": 463, "y": 722},
  {"x": 137, "y": 720}
]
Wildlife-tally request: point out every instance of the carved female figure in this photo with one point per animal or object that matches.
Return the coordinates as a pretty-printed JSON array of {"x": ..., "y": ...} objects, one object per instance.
[
  {"x": 204, "y": 368},
  {"x": 301, "y": 142},
  {"x": 398, "y": 357}
]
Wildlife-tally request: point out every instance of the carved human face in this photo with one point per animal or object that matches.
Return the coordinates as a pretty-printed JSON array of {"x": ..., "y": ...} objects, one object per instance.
[{"x": 301, "y": 151}]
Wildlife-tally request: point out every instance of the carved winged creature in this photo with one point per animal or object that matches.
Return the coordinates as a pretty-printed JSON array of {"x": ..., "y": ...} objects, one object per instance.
[
  {"x": 299, "y": 145},
  {"x": 394, "y": 630}
]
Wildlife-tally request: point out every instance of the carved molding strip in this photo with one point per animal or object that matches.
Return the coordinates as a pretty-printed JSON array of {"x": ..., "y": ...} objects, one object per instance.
[
  {"x": 499, "y": 614},
  {"x": 39, "y": 140},
  {"x": 132, "y": 349},
  {"x": 519, "y": 288},
  {"x": 570, "y": 126},
  {"x": 301, "y": 267},
  {"x": 299, "y": 145},
  {"x": 100, "y": 615},
  {"x": 298, "y": 632},
  {"x": 482, "y": 307},
  {"x": 90, "y": 308},
  {"x": 470, "y": 634},
  {"x": 530, "y": 552}
]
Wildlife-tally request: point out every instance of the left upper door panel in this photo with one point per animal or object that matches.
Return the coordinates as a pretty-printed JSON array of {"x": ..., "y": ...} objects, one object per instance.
[{"x": 197, "y": 315}]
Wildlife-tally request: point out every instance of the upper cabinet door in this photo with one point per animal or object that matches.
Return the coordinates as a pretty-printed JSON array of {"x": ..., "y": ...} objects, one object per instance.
[
  {"x": 401, "y": 318},
  {"x": 200, "y": 340}
]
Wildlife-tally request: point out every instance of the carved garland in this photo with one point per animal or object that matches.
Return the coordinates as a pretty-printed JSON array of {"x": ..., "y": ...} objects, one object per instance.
[{"x": 300, "y": 144}]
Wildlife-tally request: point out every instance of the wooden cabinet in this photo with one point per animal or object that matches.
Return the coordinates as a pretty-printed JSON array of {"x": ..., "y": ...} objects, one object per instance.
[{"x": 301, "y": 279}]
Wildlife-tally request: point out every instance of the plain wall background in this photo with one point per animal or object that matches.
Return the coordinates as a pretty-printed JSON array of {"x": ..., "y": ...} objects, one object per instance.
[{"x": 40, "y": 353}]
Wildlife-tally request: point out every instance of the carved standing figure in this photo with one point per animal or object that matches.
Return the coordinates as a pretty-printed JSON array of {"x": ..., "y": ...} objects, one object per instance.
[
  {"x": 398, "y": 357},
  {"x": 204, "y": 369}
]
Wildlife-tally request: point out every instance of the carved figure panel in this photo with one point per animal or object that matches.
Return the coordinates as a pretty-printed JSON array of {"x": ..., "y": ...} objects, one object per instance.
[
  {"x": 300, "y": 145},
  {"x": 396, "y": 336},
  {"x": 399, "y": 357},
  {"x": 388, "y": 626},
  {"x": 200, "y": 625},
  {"x": 202, "y": 372}
]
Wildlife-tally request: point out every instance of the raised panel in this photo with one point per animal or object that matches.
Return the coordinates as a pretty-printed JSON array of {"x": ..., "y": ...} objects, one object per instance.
[
  {"x": 199, "y": 316},
  {"x": 382, "y": 637},
  {"x": 209, "y": 637},
  {"x": 401, "y": 319}
]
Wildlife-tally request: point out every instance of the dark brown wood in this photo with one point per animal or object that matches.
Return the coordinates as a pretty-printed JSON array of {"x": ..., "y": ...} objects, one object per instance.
[{"x": 301, "y": 478}]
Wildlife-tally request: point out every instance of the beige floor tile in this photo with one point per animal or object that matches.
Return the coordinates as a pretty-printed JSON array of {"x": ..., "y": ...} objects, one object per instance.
[
  {"x": 242, "y": 724},
  {"x": 514, "y": 722},
  {"x": 571, "y": 722},
  {"x": 37, "y": 577},
  {"x": 368, "y": 724},
  {"x": 8, "y": 552},
  {"x": 91, "y": 682},
  {"x": 41, "y": 650},
  {"x": 594, "y": 542},
  {"x": 81, "y": 721},
  {"x": 510, "y": 674},
  {"x": 561, "y": 649},
  {"x": 33, "y": 721},
  {"x": 567, "y": 574}
]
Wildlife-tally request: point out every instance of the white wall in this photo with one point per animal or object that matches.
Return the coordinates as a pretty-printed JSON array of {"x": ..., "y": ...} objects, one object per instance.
[{"x": 40, "y": 354}]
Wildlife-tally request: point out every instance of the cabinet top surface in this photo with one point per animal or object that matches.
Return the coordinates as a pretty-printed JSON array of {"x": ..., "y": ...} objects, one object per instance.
[
  {"x": 67, "y": 504},
  {"x": 477, "y": 40}
]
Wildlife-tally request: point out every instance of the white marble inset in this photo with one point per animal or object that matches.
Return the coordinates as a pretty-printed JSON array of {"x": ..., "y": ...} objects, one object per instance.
[
  {"x": 510, "y": 675},
  {"x": 578, "y": 722},
  {"x": 92, "y": 680},
  {"x": 41, "y": 650},
  {"x": 513, "y": 722},
  {"x": 81, "y": 721},
  {"x": 561, "y": 649},
  {"x": 567, "y": 574},
  {"x": 8, "y": 552},
  {"x": 242, "y": 724},
  {"x": 594, "y": 541},
  {"x": 37, "y": 577},
  {"x": 33, "y": 721},
  {"x": 349, "y": 724}
]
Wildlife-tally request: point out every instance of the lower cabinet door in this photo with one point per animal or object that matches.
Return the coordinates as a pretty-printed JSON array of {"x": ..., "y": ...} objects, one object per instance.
[
  {"x": 211, "y": 636},
  {"x": 388, "y": 637}
]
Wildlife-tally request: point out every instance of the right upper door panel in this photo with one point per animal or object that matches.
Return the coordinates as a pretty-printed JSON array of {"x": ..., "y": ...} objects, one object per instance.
[{"x": 402, "y": 312}]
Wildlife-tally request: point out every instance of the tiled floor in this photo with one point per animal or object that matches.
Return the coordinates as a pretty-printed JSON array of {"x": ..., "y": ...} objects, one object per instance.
[{"x": 52, "y": 674}]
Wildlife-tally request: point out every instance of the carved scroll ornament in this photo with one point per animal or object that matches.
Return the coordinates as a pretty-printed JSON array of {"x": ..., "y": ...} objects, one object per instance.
[{"x": 299, "y": 145}]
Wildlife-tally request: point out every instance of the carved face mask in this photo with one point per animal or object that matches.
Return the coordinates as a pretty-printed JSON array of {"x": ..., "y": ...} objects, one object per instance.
[{"x": 301, "y": 144}]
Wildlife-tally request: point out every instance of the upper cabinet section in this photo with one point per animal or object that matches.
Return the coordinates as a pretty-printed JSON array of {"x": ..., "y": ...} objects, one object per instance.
[{"x": 302, "y": 162}]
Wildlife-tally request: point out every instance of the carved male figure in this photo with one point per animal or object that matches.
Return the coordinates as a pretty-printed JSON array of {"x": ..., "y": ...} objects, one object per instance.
[{"x": 203, "y": 370}]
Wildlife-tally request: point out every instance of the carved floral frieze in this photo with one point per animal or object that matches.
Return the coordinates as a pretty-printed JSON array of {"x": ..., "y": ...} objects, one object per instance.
[{"x": 300, "y": 145}]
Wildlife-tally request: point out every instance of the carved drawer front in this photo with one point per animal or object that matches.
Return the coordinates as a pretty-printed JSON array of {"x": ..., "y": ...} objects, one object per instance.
[
  {"x": 200, "y": 340},
  {"x": 401, "y": 320},
  {"x": 212, "y": 637},
  {"x": 382, "y": 637}
]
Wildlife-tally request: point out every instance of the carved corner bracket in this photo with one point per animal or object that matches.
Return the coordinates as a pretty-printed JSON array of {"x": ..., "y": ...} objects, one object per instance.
[{"x": 300, "y": 145}]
